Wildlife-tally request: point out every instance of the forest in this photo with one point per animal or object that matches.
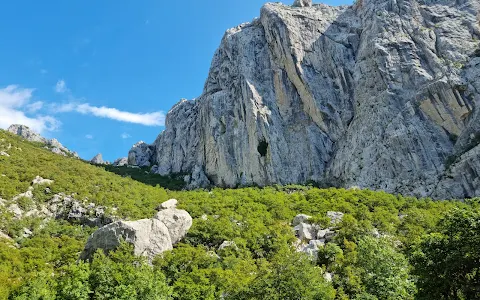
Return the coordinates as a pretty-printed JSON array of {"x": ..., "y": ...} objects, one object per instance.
[{"x": 386, "y": 247}]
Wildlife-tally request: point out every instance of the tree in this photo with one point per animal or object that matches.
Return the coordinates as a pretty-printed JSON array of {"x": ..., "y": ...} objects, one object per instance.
[
  {"x": 447, "y": 262},
  {"x": 289, "y": 276},
  {"x": 122, "y": 275},
  {"x": 384, "y": 270}
]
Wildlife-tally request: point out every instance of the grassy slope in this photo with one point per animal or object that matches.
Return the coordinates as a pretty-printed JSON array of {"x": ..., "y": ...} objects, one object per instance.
[{"x": 257, "y": 219}]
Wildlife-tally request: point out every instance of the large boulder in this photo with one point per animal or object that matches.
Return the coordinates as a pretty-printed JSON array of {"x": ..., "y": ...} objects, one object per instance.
[
  {"x": 177, "y": 222},
  {"x": 149, "y": 237}
]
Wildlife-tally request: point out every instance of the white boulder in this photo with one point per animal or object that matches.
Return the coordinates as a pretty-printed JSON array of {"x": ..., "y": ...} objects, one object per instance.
[{"x": 149, "y": 237}]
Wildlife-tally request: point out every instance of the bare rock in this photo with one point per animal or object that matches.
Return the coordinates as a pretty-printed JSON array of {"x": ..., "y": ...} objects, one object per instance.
[
  {"x": 306, "y": 231},
  {"x": 26, "y": 133},
  {"x": 41, "y": 181},
  {"x": 300, "y": 219},
  {"x": 120, "y": 162},
  {"x": 15, "y": 210},
  {"x": 335, "y": 217},
  {"x": 302, "y": 3},
  {"x": 172, "y": 203},
  {"x": 198, "y": 179},
  {"x": 372, "y": 95},
  {"x": 97, "y": 159},
  {"x": 177, "y": 221},
  {"x": 5, "y": 236},
  {"x": 228, "y": 244},
  {"x": 149, "y": 238},
  {"x": 141, "y": 155}
]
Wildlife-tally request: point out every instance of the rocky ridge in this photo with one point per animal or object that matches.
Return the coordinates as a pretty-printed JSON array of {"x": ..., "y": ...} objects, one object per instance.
[
  {"x": 382, "y": 94},
  {"x": 53, "y": 145}
]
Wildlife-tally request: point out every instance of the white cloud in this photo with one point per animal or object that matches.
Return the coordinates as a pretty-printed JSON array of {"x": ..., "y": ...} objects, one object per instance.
[
  {"x": 147, "y": 119},
  {"x": 61, "y": 86},
  {"x": 14, "y": 103},
  {"x": 34, "y": 107},
  {"x": 125, "y": 135},
  {"x": 89, "y": 136},
  {"x": 14, "y": 96}
]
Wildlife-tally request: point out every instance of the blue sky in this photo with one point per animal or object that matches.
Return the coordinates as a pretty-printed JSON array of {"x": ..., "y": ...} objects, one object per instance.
[{"x": 100, "y": 75}]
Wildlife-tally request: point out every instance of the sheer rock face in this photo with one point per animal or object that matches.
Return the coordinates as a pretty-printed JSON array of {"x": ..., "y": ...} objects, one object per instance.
[{"x": 377, "y": 95}]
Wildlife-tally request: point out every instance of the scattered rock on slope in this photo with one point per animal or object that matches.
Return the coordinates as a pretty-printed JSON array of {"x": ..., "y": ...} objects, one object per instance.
[{"x": 149, "y": 237}]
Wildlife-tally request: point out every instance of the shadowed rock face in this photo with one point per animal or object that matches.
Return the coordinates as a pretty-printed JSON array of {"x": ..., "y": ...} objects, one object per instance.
[{"x": 377, "y": 95}]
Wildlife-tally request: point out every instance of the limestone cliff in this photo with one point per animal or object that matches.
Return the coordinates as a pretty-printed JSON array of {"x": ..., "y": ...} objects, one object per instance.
[{"x": 383, "y": 94}]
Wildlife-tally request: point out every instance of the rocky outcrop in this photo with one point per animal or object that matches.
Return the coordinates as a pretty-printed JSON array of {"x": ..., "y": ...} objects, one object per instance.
[
  {"x": 377, "y": 95},
  {"x": 97, "y": 159},
  {"x": 121, "y": 162},
  {"x": 26, "y": 133},
  {"x": 302, "y": 3},
  {"x": 53, "y": 145},
  {"x": 149, "y": 237},
  {"x": 141, "y": 155},
  {"x": 311, "y": 237}
]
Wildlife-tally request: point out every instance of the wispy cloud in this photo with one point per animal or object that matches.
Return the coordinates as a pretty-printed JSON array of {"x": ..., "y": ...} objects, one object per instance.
[
  {"x": 89, "y": 136},
  {"x": 34, "y": 107},
  {"x": 61, "y": 86},
  {"x": 147, "y": 119},
  {"x": 125, "y": 135},
  {"x": 43, "y": 71},
  {"x": 14, "y": 106}
]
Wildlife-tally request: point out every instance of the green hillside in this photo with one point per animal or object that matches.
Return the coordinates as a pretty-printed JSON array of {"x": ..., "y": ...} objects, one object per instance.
[{"x": 426, "y": 249}]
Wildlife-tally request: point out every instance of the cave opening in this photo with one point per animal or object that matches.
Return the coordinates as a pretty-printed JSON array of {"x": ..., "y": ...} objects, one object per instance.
[{"x": 262, "y": 148}]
